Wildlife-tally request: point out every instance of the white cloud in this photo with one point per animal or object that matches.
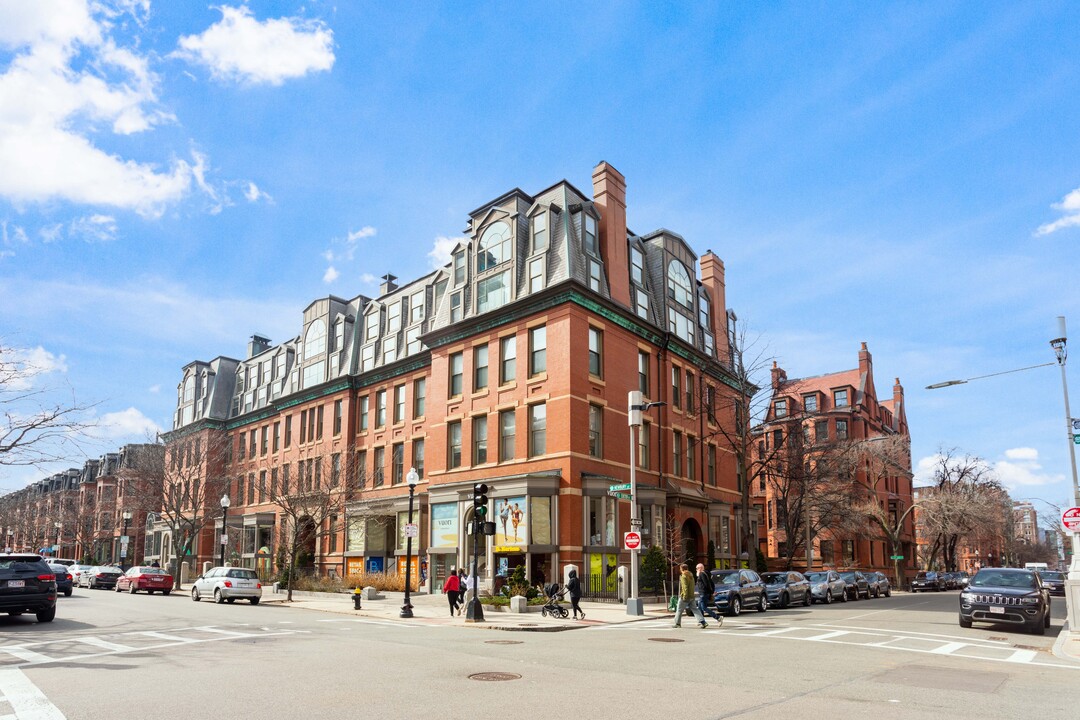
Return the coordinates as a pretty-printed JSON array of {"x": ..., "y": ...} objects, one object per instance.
[
  {"x": 439, "y": 256},
  {"x": 154, "y": 389},
  {"x": 1024, "y": 453},
  {"x": 31, "y": 363},
  {"x": 349, "y": 245},
  {"x": 1070, "y": 205},
  {"x": 123, "y": 424},
  {"x": 330, "y": 275},
  {"x": 369, "y": 279},
  {"x": 366, "y": 231},
  {"x": 241, "y": 49},
  {"x": 94, "y": 228},
  {"x": 1021, "y": 469},
  {"x": 254, "y": 194},
  {"x": 66, "y": 80}
]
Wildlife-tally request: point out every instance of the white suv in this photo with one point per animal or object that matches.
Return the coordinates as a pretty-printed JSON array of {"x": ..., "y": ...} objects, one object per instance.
[{"x": 226, "y": 584}]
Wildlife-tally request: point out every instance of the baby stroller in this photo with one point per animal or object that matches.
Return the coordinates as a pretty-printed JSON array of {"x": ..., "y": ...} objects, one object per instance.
[{"x": 552, "y": 607}]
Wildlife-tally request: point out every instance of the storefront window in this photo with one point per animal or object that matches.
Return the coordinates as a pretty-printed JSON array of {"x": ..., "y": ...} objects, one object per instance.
[
  {"x": 541, "y": 520},
  {"x": 601, "y": 518}
]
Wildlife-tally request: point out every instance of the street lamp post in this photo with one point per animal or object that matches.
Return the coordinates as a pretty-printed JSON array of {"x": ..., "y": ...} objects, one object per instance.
[
  {"x": 412, "y": 478},
  {"x": 634, "y": 605},
  {"x": 124, "y": 538},
  {"x": 224, "y": 528},
  {"x": 57, "y": 552},
  {"x": 1061, "y": 353},
  {"x": 10, "y": 540}
]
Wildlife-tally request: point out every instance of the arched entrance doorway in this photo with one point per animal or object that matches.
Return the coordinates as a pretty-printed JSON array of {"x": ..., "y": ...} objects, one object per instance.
[
  {"x": 693, "y": 542},
  {"x": 305, "y": 545}
]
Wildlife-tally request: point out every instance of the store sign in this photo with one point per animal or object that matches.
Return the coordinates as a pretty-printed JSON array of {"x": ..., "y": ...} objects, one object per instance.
[
  {"x": 444, "y": 525},
  {"x": 511, "y": 522}
]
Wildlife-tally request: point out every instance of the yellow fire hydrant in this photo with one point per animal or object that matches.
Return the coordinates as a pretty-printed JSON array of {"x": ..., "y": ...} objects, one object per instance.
[{"x": 356, "y": 594}]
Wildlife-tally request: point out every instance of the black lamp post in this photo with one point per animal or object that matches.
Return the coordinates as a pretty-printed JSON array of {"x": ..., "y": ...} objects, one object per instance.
[
  {"x": 224, "y": 528},
  {"x": 412, "y": 478},
  {"x": 124, "y": 538}
]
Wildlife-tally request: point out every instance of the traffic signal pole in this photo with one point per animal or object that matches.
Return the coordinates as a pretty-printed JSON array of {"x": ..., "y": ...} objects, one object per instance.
[{"x": 474, "y": 612}]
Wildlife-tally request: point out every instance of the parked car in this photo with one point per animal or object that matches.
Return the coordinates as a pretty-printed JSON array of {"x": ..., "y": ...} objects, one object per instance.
[
  {"x": 953, "y": 581},
  {"x": 27, "y": 584},
  {"x": 879, "y": 584},
  {"x": 855, "y": 584},
  {"x": 786, "y": 588},
  {"x": 142, "y": 577},
  {"x": 927, "y": 580},
  {"x": 965, "y": 578},
  {"x": 1006, "y": 595},
  {"x": 1053, "y": 581},
  {"x": 63, "y": 578},
  {"x": 826, "y": 586},
  {"x": 100, "y": 576},
  {"x": 76, "y": 570},
  {"x": 226, "y": 584},
  {"x": 66, "y": 562},
  {"x": 738, "y": 589}
]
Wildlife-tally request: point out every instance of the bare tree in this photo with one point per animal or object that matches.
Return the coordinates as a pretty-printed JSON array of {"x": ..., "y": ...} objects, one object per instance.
[
  {"x": 307, "y": 504},
  {"x": 674, "y": 547},
  {"x": 34, "y": 428},
  {"x": 964, "y": 500}
]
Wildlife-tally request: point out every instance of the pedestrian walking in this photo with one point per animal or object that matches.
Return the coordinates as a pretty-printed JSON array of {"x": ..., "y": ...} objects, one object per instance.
[
  {"x": 452, "y": 588},
  {"x": 705, "y": 589},
  {"x": 573, "y": 587},
  {"x": 686, "y": 597}
]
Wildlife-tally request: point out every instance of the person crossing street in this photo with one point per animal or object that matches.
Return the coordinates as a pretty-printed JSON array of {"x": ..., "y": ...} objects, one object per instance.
[{"x": 705, "y": 589}]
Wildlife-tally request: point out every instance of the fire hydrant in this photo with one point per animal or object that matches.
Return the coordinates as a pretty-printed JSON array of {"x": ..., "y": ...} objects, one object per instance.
[{"x": 356, "y": 594}]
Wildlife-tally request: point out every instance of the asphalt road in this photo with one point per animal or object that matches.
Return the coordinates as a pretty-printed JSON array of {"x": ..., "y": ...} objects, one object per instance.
[{"x": 113, "y": 655}]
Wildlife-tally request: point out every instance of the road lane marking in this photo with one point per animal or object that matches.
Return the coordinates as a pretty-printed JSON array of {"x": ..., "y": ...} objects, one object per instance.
[
  {"x": 1022, "y": 656},
  {"x": 948, "y": 648},
  {"x": 28, "y": 702},
  {"x": 104, "y": 644},
  {"x": 164, "y": 636},
  {"x": 778, "y": 631},
  {"x": 856, "y": 617},
  {"x": 27, "y": 655},
  {"x": 230, "y": 633},
  {"x": 823, "y": 636}
]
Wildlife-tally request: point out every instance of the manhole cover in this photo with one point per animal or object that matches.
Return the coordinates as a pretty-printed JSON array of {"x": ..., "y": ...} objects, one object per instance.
[
  {"x": 667, "y": 640},
  {"x": 999, "y": 639},
  {"x": 503, "y": 642},
  {"x": 528, "y": 624},
  {"x": 494, "y": 676}
]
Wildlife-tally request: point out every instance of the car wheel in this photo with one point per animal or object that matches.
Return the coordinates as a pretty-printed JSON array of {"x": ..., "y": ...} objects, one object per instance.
[
  {"x": 67, "y": 593},
  {"x": 1046, "y": 618},
  {"x": 964, "y": 622},
  {"x": 218, "y": 597},
  {"x": 131, "y": 589},
  {"x": 195, "y": 594},
  {"x": 828, "y": 597},
  {"x": 877, "y": 593},
  {"x": 763, "y": 603},
  {"x": 843, "y": 596},
  {"x": 117, "y": 588},
  {"x": 46, "y": 615},
  {"x": 166, "y": 592},
  {"x": 888, "y": 592},
  {"x": 1039, "y": 628},
  {"x": 784, "y": 600},
  {"x": 230, "y": 600},
  {"x": 149, "y": 592},
  {"x": 736, "y": 607},
  {"x": 808, "y": 599},
  {"x": 254, "y": 601}
]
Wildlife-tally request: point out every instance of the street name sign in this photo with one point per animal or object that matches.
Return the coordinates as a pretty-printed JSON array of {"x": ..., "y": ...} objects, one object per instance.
[
  {"x": 412, "y": 530},
  {"x": 896, "y": 557},
  {"x": 621, "y": 496},
  {"x": 632, "y": 540},
  {"x": 1071, "y": 519},
  {"x": 621, "y": 486}
]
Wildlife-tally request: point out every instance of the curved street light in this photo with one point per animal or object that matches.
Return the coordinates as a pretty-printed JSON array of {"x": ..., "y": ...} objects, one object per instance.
[{"x": 412, "y": 478}]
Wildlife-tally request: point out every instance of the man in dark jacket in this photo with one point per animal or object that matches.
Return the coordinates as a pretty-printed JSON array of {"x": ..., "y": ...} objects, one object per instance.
[
  {"x": 705, "y": 589},
  {"x": 573, "y": 587}
]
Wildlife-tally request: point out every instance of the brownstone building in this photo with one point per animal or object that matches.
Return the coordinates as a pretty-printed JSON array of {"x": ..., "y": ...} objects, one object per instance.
[
  {"x": 510, "y": 366},
  {"x": 841, "y": 413}
]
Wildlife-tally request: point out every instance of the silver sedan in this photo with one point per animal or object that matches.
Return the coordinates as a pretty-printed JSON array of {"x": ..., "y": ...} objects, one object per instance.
[{"x": 827, "y": 586}]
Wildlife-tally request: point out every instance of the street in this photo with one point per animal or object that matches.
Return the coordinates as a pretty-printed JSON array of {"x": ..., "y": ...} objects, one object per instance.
[{"x": 110, "y": 654}]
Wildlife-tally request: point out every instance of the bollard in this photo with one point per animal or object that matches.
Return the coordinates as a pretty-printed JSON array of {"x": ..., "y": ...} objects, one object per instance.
[{"x": 356, "y": 595}]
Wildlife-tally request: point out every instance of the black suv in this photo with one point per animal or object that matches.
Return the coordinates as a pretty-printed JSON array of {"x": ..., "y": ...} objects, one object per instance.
[
  {"x": 27, "y": 584},
  {"x": 738, "y": 589},
  {"x": 1006, "y": 595}
]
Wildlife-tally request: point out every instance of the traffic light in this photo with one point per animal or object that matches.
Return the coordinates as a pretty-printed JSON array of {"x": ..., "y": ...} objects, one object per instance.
[{"x": 480, "y": 500}]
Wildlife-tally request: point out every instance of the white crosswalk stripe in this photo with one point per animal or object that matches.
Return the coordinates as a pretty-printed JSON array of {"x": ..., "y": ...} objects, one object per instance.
[{"x": 28, "y": 702}]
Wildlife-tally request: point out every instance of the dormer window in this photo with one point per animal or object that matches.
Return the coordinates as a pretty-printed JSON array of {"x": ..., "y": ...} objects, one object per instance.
[
  {"x": 678, "y": 285},
  {"x": 840, "y": 398},
  {"x": 810, "y": 403},
  {"x": 393, "y": 317},
  {"x": 780, "y": 408},
  {"x": 371, "y": 325},
  {"x": 590, "y": 235},
  {"x": 459, "y": 268},
  {"x": 637, "y": 266},
  {"x": 540, "y": 232},
  {"x": 494, "y": 247},
  {"x": 315, "y": 340},
  {"x": 189, "y": 389},
  {"x": 703, "y": 312},
  {"x": 416, "y": 308}
]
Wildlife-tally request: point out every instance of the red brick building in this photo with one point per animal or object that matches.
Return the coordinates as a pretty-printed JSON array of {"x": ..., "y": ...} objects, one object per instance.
[{"x": 510, "y": 366}]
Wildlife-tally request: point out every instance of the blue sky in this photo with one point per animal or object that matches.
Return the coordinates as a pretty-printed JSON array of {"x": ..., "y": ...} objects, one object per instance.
[{"x": 176, "y": 176}]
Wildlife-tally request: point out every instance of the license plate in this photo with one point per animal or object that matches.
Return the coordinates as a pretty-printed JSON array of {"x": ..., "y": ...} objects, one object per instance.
[
  {"x": 244, "y": 584},
  {"x": 157, "y": 580},
  {"x": 997, "y": 610},
  {"x": 16, "y": 583}
]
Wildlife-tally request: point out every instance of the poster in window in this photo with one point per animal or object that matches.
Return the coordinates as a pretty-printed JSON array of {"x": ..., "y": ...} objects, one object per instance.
[
  {"x": 444, "y": 525},
  {"x": 541, "y": 520},
  {"x": 356, "y": 535},
  {"x": 511, "y": 522}
]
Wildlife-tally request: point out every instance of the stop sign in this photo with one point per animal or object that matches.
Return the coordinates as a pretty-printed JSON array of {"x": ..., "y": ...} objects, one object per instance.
[
  {"x": 1071, "y": 519},
  {"x": 632, "y": 540}
]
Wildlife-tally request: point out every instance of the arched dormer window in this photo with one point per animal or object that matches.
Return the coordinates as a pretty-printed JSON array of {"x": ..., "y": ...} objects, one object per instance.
[
  {"x": 189, "y": 389},
  {"x": 494, "y": 247},
  {"x": 315, "y": 339},
  {"x": 678, "y": 285}
]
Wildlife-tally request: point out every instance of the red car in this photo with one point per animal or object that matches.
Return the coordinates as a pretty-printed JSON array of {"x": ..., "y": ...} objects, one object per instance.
[{"x": 150, "y": 579}]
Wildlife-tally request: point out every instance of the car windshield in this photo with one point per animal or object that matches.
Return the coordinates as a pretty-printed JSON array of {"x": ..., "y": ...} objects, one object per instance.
[
  {"x": 728, "y": 578},
  {"x": 849, "y": 576},
  {"x": 1051, "y": 575},
  {"x": 109, "y": 569},
  {"x": 997, "y": 578},
  {"x": 59, "y": 568},
  {"x": 243, "y": 574},
  {"x": 19, "y": 564},
  {"x": 774, "y": 578},
  {"x": 151, "y": 571},
  {"x": 817, "y": 577}
]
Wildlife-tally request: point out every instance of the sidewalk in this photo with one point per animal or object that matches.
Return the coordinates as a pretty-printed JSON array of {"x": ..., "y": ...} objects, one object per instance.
[{"x": 434, "y": 610}]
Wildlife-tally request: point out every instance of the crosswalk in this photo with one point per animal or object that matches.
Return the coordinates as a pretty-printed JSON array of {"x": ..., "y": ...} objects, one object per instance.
[
  {"x": 74, "y": 648},
  {"x": 879, "y": 638}
]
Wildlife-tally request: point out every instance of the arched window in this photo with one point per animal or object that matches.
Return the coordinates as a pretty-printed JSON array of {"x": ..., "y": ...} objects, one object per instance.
[
  {"x": 189, "y": 389},
  {"x": 494, "y": 247},
  {"x": 678, "y": 284},
  {"x": 315, "y": 340}
]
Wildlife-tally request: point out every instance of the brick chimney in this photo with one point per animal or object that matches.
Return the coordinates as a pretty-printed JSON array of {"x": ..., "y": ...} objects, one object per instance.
[
  {"x": 712, "y": 279},
  {"x": 779, "y": 376},
  {"x": 388, "y": 284},
  {"x": 609, "y": 194}
]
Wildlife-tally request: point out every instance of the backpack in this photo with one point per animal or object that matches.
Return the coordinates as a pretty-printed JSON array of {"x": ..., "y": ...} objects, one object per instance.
[{"x": 710, "y": 586}]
